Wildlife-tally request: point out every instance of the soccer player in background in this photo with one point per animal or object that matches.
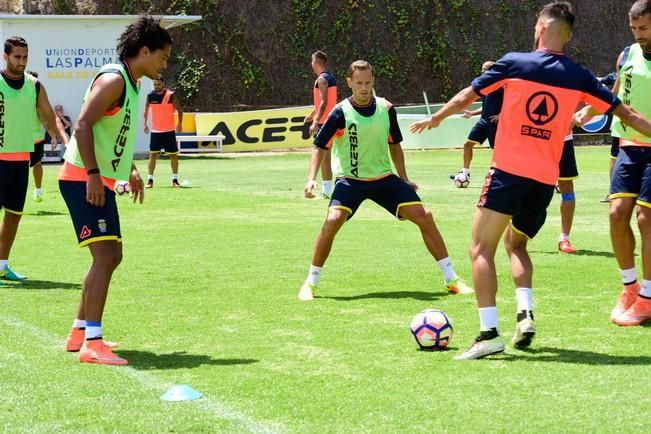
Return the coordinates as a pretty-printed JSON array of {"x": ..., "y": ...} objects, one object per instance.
[
  {"x": 40, "y": 138},
  {"x": 101, "y": 151},
  {"x": 365, "y": 140},
  {"x": 542, "y": 89},
  {"x": 324, "y": 94},
  {"x": 23, "y": 97},
  {"x": 486, "y": 126},
  {"x": 36, "y": 155},
  {"x": 568, "y": 172},
  {"x": 631, "y": 176},
  {"x": 163, "y": 102}
]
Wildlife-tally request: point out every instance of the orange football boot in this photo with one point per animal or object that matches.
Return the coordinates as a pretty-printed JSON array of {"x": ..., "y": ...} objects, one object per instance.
[
  {"x": 626, "y": 299},
  {"x": 96, "y": 351},
  {"x": 638, "y": 313},
  {"x": 566, "y": 247}
]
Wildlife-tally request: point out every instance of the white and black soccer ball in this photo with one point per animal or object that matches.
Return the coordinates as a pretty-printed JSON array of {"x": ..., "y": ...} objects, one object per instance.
[
  {"x": 461, "y": 181},
  {"x": 432, "y": 329},
  {"x": 122, "y": 187}
]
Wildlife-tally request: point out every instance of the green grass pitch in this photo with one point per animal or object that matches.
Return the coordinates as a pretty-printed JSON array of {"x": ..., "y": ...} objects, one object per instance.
[{"x": 206, "y": 296}]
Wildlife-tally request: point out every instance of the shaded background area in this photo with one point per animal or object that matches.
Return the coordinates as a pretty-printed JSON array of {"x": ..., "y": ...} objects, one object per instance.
[{"x": 251, "y": 53}]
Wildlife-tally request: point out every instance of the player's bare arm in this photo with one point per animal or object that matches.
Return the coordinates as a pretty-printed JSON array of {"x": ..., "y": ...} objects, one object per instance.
[
  {"x": 459, "y": 102},
  {"x": 322, "y": 83},
  {"x": 398, "y": 158},
  {"x": 137, "y": 185},
  {"x": 633, "y": 118},
  {"x": 147, "y": 116},
  {"x": 179, "y": 111},
  {"x": 48, "y": 116},
  {"x": 467, "y": 114},
  {"x": 316, "y": 159}
]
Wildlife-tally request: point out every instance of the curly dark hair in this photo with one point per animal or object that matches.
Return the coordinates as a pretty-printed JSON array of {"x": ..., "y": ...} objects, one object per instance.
[{"x": 145, "y": 32}]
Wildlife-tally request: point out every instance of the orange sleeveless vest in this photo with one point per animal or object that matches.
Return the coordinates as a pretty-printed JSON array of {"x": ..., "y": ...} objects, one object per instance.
[
  {"x": 332, "y": 101},
  {"x": 162, "y": 115}
]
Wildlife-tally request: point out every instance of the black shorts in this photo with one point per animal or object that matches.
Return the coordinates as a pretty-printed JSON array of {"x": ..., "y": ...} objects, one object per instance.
[
  {"x": 632, "y": 174},
  {"x": 524, "y": 199},
  {"x": 482, "y": 131},
  {"x": 91, "y": 223},
  {"x": 163, "y": 142},
  {"x": 36, "y": 156},
  {"x": 568, "y": 170},
  {"x": 14, "y": 177},
  {"x": 614, "y": 147},
  {"x": 389, "y": 192}
]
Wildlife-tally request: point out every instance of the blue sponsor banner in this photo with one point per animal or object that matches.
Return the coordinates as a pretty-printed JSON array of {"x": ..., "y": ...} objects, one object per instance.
[{"x": 599, "y": 124}]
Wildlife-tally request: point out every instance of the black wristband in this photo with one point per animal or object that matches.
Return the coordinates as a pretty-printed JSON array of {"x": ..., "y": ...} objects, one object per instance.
[{"x": 92, "y": 171}]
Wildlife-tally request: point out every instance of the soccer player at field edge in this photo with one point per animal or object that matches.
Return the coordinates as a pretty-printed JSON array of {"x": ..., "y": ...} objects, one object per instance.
[
  {"x": 163, "y": 102},
  {"x": 23, "y": 97},
  {"x": 631, "y": 178},
  {"x": 365, "y": 140},
  {"x": 324, "y": 93},
  {"x": 101, "y": 151},
  {"x": 542, "y": 89}
]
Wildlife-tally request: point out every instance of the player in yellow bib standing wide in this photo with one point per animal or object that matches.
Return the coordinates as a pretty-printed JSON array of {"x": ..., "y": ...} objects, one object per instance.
[
  {"x": 366, "y": 140},
  {"x": 100, "y": 152},
  {"x": 21, "y": 95}
]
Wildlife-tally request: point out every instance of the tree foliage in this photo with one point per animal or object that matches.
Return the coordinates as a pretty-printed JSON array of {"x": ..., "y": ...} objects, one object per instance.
[{"x": 255, "y": 53}]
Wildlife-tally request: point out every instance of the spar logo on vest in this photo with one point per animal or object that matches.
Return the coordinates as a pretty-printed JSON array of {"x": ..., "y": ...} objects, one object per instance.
[
  {"x": 542, "y": 108},
  {"x": 352, "y": 140},
  {"x": 121, "y": 141}
]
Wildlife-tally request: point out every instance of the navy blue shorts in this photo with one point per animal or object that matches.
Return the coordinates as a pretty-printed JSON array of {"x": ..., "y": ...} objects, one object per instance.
[
  {"x": 36, "y": 156},
  {"x": 482, "y": 131},
  {"x": 389, "y": 192},
  {"x": 632, "y": 174},
  {"x": 614, "y": 147},
  {"x": 91, "y": 223},
  {"x": 14, "y": 177},
  {"x": 163, "y": 142},
  {"x": 567, "y": 166},
  {"x": 524, "y": 199}
]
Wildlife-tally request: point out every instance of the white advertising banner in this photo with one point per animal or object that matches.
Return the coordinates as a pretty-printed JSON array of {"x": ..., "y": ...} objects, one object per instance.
[{"x": 67, "y": 50}]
